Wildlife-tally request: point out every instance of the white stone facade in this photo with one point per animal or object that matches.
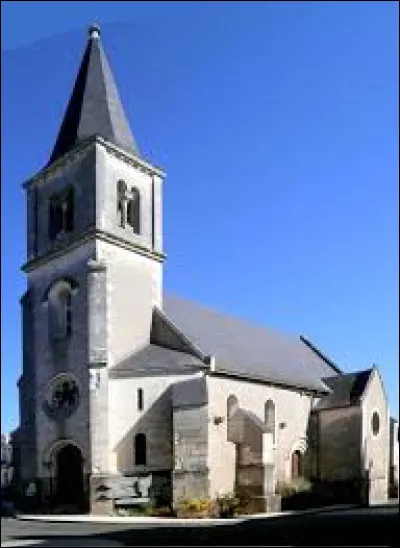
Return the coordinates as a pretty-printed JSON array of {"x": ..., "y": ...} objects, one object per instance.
[{"x": 165, "y": 422}]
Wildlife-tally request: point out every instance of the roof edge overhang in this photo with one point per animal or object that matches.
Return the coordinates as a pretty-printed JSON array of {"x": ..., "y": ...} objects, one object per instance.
[
  {"x": 71, "y": 156},
  {"x": 195, "y": 350},
  {"x": 296, "y": 388},
  {"x": 323, "y": 357}
]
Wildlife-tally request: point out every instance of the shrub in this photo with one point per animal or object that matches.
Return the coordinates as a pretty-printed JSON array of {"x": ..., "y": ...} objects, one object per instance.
[
  {"x": 285, "y": 489},
  {"x": 227, "y": 505},
  {"x": 133, "y": 511},
  {"x": 194, "y": 507},
  {"x": 244, "y": 498},
  {"x": 163, "y": 512},
  {"x": 299, "y": 485}
]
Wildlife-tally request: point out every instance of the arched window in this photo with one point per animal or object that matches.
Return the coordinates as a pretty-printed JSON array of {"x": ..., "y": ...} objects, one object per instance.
[
  {"x": 128, "y": 206},
  {"x": 269, "y": 417},
  {"x": 61, "y": 213},
  {"x": 60, "y": 310},
  {"x": 231, "y": 406},
  {"x": 140, "y": 449},
  {"x": 140, "y": 399},
  {"x": 297, "y": 464},
  {"x": 133, "y": 210}
]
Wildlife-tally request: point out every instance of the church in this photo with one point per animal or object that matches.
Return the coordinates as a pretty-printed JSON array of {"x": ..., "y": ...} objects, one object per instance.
[{"x": 131, "y": 394}]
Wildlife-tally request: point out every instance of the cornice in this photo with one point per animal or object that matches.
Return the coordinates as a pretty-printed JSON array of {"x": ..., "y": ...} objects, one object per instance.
[
  {"x": 69, "y": 158},
  {"x": 124, "y": 244},
  {"x": 92, "y": 234},
  {"x": 130, "y": 159},
  {"x": 77, "y": 152}
]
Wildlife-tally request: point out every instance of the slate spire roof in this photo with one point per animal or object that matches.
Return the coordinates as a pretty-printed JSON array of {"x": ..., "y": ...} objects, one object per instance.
[{"x": 94, "y": 107}]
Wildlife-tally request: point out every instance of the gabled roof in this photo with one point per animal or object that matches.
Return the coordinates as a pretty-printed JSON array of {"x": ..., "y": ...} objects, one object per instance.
[
  {"x": 94, "y": 107},
  {"x": 346, "y": 389},
  {"x": 156, "y": 360},
  {"x": 244, "y": 350}
]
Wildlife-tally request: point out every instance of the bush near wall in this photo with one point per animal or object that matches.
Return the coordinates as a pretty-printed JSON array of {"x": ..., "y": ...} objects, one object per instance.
[
  {"x": 224, "y": 506},
  {"x": 195, "y": 508}
]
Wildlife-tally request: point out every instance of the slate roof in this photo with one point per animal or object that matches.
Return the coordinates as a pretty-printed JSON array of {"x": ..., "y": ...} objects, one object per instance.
[
  {"x": 190, "y": 392},
  {"x": 249, "y": 351},
  {"x": 94, "y": 107},
  {"x": 156, "y": 360},
  {"x": 346, "y": 389}
]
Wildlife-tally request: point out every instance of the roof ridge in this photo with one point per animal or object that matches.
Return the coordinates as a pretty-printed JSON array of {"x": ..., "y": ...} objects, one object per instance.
[{"x": 324, "y": 357}]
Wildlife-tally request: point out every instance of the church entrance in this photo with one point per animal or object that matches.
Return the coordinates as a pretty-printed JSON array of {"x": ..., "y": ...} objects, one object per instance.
[{"x": 69, "y": 476}]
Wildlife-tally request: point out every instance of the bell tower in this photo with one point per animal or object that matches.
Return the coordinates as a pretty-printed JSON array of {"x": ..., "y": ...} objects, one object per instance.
[{"x": 94, "y": 273}]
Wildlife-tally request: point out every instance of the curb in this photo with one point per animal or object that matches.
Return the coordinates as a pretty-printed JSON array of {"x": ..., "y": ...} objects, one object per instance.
[{"x": 179, "y": 521}]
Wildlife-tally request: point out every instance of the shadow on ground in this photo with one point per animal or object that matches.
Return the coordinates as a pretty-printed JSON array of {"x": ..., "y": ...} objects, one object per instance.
[{"x": 368, "y": 527}]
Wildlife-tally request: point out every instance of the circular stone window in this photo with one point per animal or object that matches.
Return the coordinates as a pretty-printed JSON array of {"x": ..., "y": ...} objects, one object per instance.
[
  {"x": 375, "y": 423},
  {"x": 62, "y": 397}
]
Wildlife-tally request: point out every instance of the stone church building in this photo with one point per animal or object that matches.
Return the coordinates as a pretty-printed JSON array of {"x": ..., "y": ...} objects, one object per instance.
[{"x": 128, "y": 393}]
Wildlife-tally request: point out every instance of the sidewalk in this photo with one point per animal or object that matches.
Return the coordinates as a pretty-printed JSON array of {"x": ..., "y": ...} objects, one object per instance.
[{"x": 87, "y": 518}]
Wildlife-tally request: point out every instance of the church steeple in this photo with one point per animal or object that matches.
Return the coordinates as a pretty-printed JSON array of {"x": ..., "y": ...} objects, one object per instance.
[{"x": 94, "y": 107}]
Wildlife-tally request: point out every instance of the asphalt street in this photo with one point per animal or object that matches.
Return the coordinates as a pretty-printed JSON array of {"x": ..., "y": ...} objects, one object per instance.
[{"x": 357, "y": 527}]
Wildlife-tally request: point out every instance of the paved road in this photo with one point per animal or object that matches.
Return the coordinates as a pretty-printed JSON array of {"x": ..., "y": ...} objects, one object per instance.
[{"x": 358, "y": 527}]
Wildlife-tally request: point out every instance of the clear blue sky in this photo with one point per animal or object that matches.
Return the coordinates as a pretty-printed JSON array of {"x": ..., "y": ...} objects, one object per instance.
[{"x": 278, "y": 126}]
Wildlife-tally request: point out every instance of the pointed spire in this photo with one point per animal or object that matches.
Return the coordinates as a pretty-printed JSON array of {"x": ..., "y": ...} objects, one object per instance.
[{"x": 94, "y": 107}]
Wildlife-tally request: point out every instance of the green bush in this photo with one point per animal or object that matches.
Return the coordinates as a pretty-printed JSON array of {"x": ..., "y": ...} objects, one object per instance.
[
  {"x": 135, "y": 511},
  {"x": 194, "y": 507}
]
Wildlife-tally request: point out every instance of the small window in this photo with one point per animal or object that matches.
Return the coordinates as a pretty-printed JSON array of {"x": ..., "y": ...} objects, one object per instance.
[
  {"x": 269, "y": 419},
  {"x": 140, "y": 449},
  {"x": 140, "y": 399},
  {"x": 128, "y": 206},
  {"x": 297, "y": 465},
  {"x": 231, "y": 405},
  {"x": 133, "y": 210},
  {"x": 375, "y": 423}
]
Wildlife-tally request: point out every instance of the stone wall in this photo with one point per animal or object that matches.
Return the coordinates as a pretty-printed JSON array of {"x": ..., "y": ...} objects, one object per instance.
[
  {"x": 190, "y": 439},
  {"x": 70, "y": 355},
  {"x": 292, "y": 410},
  {"x": 134, "y": 284},
  {"x": 109, "y": 170},
  {"x": 394, "y": 453},
  {"x": 154, "y": 420},
  {"x": 79, "y": 172},
  {"x": 376, "y": 446},
  {"x": 339, "y": 444}
]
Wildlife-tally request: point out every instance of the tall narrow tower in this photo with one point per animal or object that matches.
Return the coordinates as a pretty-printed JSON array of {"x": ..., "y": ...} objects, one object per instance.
[{"x": 94, "y": 273}]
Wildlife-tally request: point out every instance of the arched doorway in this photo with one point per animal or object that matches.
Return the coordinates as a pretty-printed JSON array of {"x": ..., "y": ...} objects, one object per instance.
[{"x": 69, "y": 475}]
